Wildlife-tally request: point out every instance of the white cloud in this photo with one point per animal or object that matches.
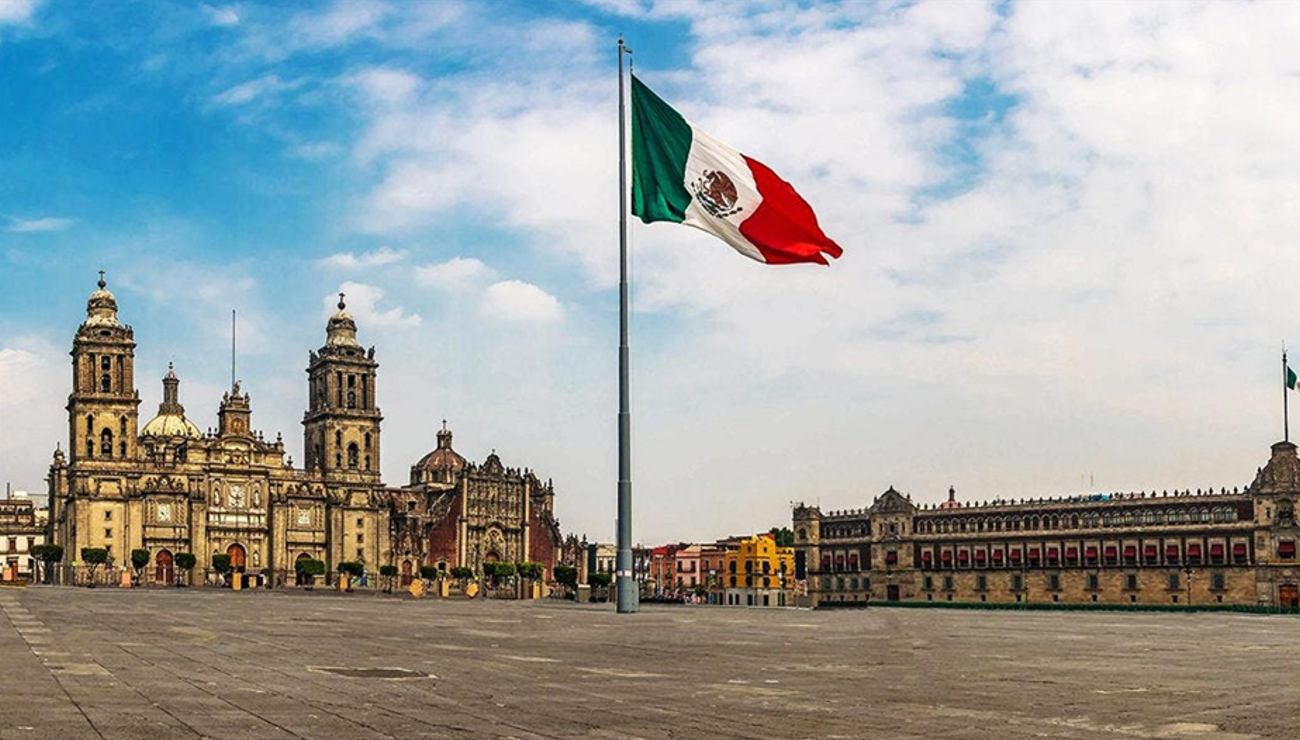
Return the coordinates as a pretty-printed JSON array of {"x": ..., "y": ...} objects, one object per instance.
[
  {"x": 386, "y": 85},
  {"x": 345, "y": 20},
  {"x": 17, "y": 11},
  {"x": 373, "y": 258},
  {"x": 49, "y": 223},
  {"x": 516, "y": 300},
  {"x": 260, "y": 88},
  {"x": 363, "y": 303},
  {"x": 315, "y": 150},
  {"x": 34, "y": 394},
  {"x": 224, "y": 16},
  {"x": 456, "y": 273}
]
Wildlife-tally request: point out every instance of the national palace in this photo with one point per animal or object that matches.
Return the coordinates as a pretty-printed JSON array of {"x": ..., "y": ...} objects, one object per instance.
[
  {"x": 169, "y": 487},
  {"x": 1170, "y": 547}
]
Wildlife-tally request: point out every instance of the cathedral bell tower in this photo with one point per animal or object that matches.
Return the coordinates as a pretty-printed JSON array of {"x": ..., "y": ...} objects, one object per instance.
[
  {"x": 103, "y": 409},
  {"x": 341, "y": 426}
]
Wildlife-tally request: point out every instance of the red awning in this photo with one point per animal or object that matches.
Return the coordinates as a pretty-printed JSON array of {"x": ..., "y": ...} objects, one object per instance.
[
  {"x": 979, "y": 556},
  {"x": 1286, "y": 548},
  {"x": 1053, "y": 553},
  {"x": 891, "y": 557},
  {"x": 1171, "y": 551},
  {"x": 1216, "y": 549},
  {"x": 946, "y": 555},
  {"x": 1151, "y": 551},
  {"x": 1015, "y": 554},
  {"x": 997, "y": 556},
  {"x": 1034, "y": 553},
  {"x": 1111, "y": 551},
  {"x": 926, "y": 556},
  {"x": 1071, "y": 553},
  {"x": 1193, "y": 550},
  {"x": 1090, "y": 552},
  {"x": 1239, "y": 550},
  {"x": 1130, "y": 551}
]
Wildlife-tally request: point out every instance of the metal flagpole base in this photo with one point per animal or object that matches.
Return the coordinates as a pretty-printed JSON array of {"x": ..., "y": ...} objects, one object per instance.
[{"x": 629, "y": 598}]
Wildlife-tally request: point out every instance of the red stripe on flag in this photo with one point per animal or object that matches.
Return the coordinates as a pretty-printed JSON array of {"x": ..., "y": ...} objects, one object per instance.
[{"x": 784, "y": 227}]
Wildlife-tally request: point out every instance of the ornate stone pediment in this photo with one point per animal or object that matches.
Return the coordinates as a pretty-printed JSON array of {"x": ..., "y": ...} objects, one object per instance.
[
  {"x": 1281, "y": 474},
  {"x": 891, "y": 502}
]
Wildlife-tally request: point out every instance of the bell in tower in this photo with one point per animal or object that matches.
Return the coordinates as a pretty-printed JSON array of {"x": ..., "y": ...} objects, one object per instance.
[{"x": 341, "y": 426}]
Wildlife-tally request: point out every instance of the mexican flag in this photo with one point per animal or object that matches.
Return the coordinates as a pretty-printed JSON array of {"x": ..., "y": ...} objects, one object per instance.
[
  {"x": 1290, "y": 378},
  {"x": 683, "y": 175}
]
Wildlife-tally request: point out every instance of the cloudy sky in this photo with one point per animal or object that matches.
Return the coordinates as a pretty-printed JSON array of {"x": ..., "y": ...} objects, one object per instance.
[{"x": 1069, "y": 232}]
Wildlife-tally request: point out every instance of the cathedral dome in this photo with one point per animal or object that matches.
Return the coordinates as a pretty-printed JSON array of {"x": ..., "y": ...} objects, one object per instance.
[
  {"x": 170, "y": 425},
  {"x": 170, "y": 421},
  {"x": 341, "y": 330},
  {"x": 101, "y": 306},
  {"x": 440, "y": 464}
]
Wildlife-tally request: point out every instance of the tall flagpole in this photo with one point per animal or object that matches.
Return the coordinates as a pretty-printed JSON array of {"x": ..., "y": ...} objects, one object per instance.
[
  {"x": 625, "y": 581},
  {"x": 1286, "y": 412}
]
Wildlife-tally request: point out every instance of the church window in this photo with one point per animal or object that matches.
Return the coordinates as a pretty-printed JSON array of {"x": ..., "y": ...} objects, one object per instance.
[
  {"x": 352, "y": 455},
  {"x": 121, "y": 448},
  {"x": 108, "y": 515},
  {"x": 105, "y": 384},
  {"x": 352, "y": 381},
  {"x": 90, "y": 446},
  {"x": 122, "y": 426},
  {"x": 338, "y": 437},
  {"x": 105, "y": 363},
  {"x": 352, "y": 399},
  {"x": 367, "y": 440},
  {"x": 106, "y": 443},
  {"x": 367, "y": 462},
  {"x": 338, "y": 460}
]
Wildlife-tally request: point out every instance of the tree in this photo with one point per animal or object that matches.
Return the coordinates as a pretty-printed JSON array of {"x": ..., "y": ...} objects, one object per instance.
[
  {"x": 139, "y": 559},
  {"x": 94, "y": 557},
  {"x": 598, "y": 580},
  {"x": 566, "y": 575},
  {"x": 783, "y": 536},
  {"x": 461, "y": 572},
  {"x": 48, "y": 555},
  {"x": 352, "y": 568},
  {"x": 308, "y": 568},
  {"x": 186, "y": 562},
  {"x": 505, "y": 570},
  {"x": 429, "y": 572},
  {"x": 532, "y": 571},
  {"x": 389, "y": 572},
  {"x": 221, "y": 563}
]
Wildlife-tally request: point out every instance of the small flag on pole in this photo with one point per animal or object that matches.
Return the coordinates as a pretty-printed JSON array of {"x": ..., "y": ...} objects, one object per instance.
[
  {"x": 1290, "y": 378},
  {"x": 682, "y": 175}
]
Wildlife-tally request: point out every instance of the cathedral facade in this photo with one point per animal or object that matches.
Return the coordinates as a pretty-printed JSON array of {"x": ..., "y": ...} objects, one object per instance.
[
  {"x": 1185, "y": 548},
  {"x": 167, "y": 487}
]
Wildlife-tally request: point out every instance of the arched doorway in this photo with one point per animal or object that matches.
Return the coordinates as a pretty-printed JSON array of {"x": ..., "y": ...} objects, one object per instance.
[
  {"x": 300, "y": 578},
  {"x": 491, "y": 557},
  {"x": 238, "y": 558},
  {"x": 406, "y": 573},
  {"x": 164, "y": 571}
]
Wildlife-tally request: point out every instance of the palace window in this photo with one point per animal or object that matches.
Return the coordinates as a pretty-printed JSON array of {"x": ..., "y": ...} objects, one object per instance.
[
  {"x": 1054, "y": 581},
  {"x": 1071, "y": 555},
  {"x": 947, "y": 583},
  {"x": 1151, "y": 554},
  {"x": 1194, "y": 552},
  {"x": 927, "y": 558},
  {"x": 1172, "y": 554},
  {"x": 1130, "y": 554},
  {"x": 981, "y": 582},
  {"x": 1053, "y": 555},
  {"x": 1093, "y": 582},
  {"x": 1216, "y": 552},
  {"x": 1090, "y": 554},
  {"x": 928, "y": 583},
  {"x": 1017, "y": 582},
  {"x": 1173, "y": 582},
  {"x": 1239, "y": 552},
  {"x": 1112, "y": 554},
  {"x": 1286, "y": 549},
  {"x": 1131, "y": 582}
]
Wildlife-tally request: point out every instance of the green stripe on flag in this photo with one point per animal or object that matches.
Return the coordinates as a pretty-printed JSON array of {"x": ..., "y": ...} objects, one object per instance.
[
  {"x": 1290, "y": 378},
  {"x": 661, "y": 142}
]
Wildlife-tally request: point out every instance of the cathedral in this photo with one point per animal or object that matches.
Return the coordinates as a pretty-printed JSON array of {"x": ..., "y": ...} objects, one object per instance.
[{"x": 168, "y": 487}]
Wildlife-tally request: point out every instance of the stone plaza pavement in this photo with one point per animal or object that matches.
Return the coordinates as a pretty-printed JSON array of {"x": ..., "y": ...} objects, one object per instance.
[{"x": 79, "y": 663}]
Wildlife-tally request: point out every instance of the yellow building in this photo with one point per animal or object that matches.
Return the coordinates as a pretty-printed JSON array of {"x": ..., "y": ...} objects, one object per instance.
[{"x": 759, "y": 573}]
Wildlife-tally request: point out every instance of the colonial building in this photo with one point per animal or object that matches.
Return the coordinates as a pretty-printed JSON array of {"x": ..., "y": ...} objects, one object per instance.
[
  {"x": 19, "y": 533},
  {"x": 1181, "y": 547},
  {"x": 456, "y": 513},
  {"x": 169, "y": 487},
  {"x": 759, "y": 573}
]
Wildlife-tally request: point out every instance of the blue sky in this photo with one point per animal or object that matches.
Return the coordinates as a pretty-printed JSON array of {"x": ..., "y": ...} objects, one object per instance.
[{"x": 1034, "y": 198}]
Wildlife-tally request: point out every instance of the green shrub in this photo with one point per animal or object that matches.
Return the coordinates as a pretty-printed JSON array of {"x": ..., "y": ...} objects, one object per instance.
[
  {"x": 309, "y": 567},
  {"x": 186, "y": 561},
  {"x": 352, "y": 568},
  {"x": 221, "y": 563},
  {"x": 598, "y": 580},
  {"x": 461, "y": 572},
  {"x": 429, "y": 572},
  {"x": 566, "y": 575},
  {"x": 388, "y": 571},
  {"x": 139, "y": 559}
]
